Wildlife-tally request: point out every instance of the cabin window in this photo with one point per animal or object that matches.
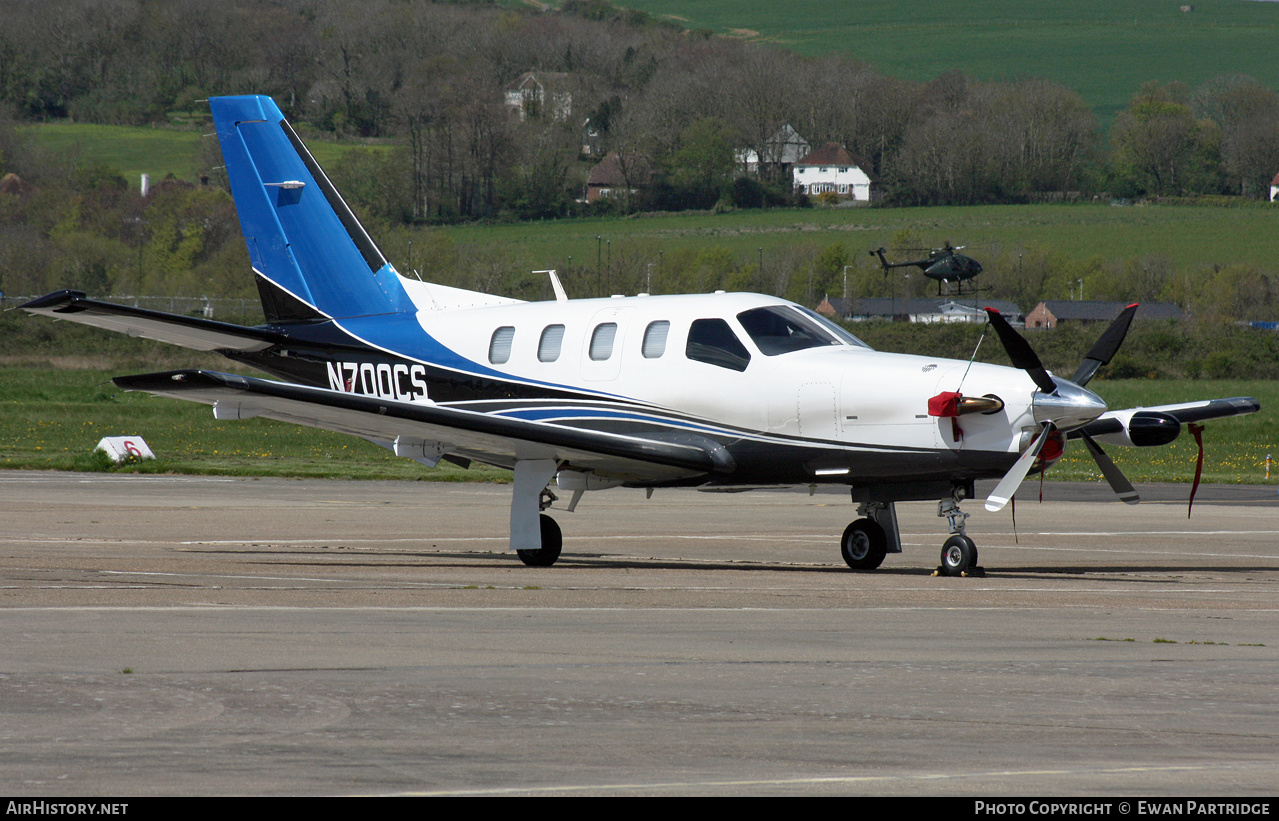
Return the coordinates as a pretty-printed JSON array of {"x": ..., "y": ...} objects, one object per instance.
[
  {"x": 548, "y": 349},
  {"x": 655, "y": 339},
  {"x": 712, "y": 341},
  {"x": 500, "y": 345},
  {"x": 602, "y": 341}
]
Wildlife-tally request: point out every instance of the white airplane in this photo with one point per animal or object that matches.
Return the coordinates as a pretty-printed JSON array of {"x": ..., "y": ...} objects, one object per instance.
[{"x": 716, "y": 391}]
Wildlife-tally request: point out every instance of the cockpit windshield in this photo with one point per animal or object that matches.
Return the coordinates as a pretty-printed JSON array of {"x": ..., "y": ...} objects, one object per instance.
[
  {"x": 779, "y": 329},
  {"x": 835, "y": 328}
]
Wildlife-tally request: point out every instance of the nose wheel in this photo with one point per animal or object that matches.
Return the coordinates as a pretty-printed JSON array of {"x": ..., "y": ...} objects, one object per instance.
[
  {"x": 959, "y": 553},
  {"x": 958, "y": 556}
]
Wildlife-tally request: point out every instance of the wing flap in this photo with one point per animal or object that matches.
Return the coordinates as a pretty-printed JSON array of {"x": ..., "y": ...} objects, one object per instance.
[
  {"x": 496, "y": 440},
  {"x": 186, "y": 331}
]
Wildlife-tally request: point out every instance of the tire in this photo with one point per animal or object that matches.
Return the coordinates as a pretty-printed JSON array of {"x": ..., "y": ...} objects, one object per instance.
[
  {"x": 958, "y": 555},
  {"x": 552, "y": 541},
  {"x": 864, "y": 545}
]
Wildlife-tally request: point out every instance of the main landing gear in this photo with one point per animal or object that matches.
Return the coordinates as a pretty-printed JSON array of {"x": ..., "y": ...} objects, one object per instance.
[
  {"x": 864, "y": 545},
  {"x": 552, "y": 541},
  {"x": 535, "y": 537},
  {"x": 869, "y": 539}
]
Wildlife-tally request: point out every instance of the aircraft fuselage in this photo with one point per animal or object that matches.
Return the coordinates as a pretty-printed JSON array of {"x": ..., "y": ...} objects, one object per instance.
[{"x": 732, "y": 368}]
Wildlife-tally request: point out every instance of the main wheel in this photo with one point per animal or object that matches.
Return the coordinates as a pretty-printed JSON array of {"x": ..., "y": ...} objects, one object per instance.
[
  {"x": 864, "y": 545},
  {"x": 552, "y": 541},
  {"x": 958, "y": 555}
]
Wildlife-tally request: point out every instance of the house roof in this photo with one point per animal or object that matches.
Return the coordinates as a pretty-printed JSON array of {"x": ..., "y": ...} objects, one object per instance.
[
  {"x": 13, "y": 184},
  {"x": 836, "y": 155},
  {"x": 538, "y": 78},
  {"x": 887, "y": 306},
  {"x": 830, "y": 154},
  {"x": 609, "y": 171},
  {"x": 1106, "y": 310}
]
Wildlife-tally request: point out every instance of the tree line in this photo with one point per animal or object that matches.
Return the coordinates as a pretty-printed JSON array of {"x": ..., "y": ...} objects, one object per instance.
[
  {"x": 428, "y": 81},
  {"x": 431, "y": 77}
]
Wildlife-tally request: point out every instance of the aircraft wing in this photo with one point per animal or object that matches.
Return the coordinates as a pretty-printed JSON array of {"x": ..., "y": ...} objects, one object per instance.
[
  {"x": 1125, "y": 422},
  {"x": 428, "y": 430},
  {"x": 187, "y": 331}
]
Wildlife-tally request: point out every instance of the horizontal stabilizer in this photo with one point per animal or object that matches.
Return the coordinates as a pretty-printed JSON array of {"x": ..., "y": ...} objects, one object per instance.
[{"x": 187, "y": 331}]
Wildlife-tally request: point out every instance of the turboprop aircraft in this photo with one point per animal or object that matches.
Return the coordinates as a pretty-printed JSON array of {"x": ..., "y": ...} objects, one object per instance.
[{"x": 715, "y": 391}]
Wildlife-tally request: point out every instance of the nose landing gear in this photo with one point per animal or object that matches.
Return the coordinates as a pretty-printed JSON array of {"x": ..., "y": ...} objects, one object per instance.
[{"x": 959, "y": 553}]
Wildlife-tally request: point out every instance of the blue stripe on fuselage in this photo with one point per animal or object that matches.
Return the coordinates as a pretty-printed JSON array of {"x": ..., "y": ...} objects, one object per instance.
[{"x": 567, "y": 413}]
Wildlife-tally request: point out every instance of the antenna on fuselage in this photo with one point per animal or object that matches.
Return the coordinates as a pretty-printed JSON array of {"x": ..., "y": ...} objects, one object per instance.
[{"x": 556, "y": 285}]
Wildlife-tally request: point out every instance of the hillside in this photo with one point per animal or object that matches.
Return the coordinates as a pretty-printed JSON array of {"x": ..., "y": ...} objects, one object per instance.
[{"x": 1103, "y": 49}]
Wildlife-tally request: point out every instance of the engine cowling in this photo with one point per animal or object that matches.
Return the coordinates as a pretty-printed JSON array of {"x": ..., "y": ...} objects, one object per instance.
[{"x": 1135, "y": 429}]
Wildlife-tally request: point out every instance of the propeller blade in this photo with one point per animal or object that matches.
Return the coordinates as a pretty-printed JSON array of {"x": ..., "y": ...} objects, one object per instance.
[
  {"x": 1012, "y": 479},
  {"x": 1118, "y": 482},
  {"x": 1019, "y": 351},
  {"x": 1106, "y": 346}
]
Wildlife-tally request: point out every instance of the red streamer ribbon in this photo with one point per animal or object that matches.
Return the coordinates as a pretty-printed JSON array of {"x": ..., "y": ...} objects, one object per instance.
[{"x": 1197, "y": 432}]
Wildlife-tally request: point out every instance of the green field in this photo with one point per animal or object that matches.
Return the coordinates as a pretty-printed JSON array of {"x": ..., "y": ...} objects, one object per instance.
[
  {"x": 1189, "y": 236},
  {"x": 53, "y": 418},
  {"x": 137, "y": 150},
  {"x": 1104, "y": 49}
]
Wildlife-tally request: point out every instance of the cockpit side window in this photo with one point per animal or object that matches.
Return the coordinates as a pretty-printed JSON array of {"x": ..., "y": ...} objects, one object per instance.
[
  {"x": 712, "y": 341},
  {"x": 835, "y": 328},
  {"x": 779, "y": 329}
]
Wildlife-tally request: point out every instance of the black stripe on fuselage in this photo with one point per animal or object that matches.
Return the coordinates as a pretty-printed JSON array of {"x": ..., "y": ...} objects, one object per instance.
[{"x": 315, "y": 351}]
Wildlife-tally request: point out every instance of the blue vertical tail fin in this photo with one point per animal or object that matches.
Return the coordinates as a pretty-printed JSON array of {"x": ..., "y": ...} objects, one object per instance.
[{"x": 311, "y": 256}]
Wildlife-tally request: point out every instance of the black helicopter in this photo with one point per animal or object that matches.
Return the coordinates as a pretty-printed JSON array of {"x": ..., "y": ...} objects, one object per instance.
[{"x": 944, "y": 265}]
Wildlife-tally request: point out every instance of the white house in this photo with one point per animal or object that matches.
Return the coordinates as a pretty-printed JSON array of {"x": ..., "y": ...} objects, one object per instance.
[
  {"x": 782, "y": 150},
  {"x": 540, "y": 94},
  {"x": 832, "y": 168}
]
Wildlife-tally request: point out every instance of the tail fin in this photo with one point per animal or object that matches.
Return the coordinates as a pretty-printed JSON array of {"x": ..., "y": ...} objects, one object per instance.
[{"x": 311, "y": 256}]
